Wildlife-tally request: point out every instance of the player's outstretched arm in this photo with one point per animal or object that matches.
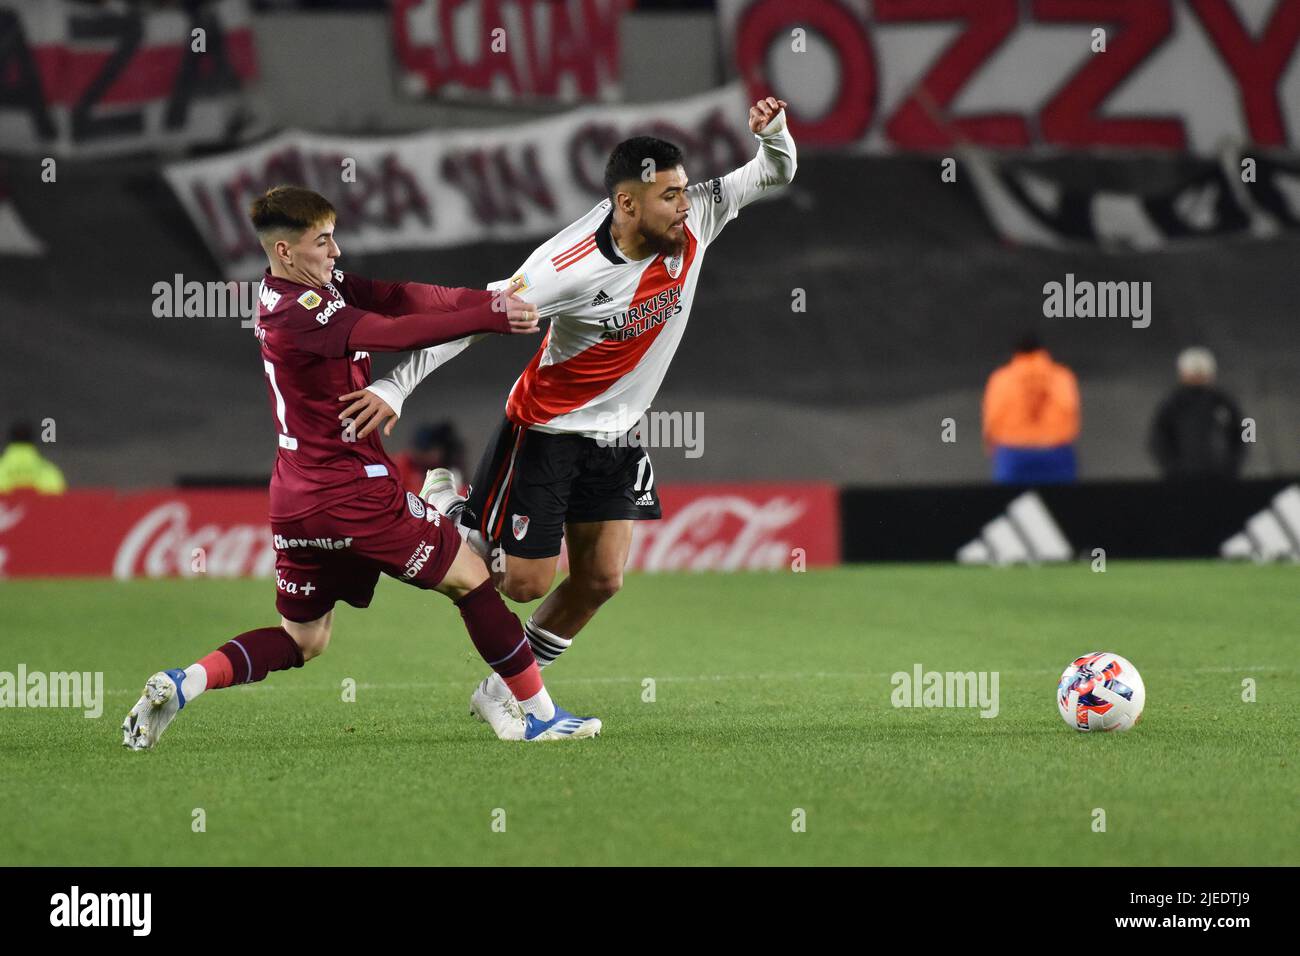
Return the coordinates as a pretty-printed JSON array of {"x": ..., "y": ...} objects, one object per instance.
[
  {"x": 380, "y": 403},
  {"x": 777, "y": 160},
  {"x": 385, "y": 397},
  {"x": 402, "y": 298},
  {"x": 506, "y": 314},
  {"x": 718, "y": 201}
]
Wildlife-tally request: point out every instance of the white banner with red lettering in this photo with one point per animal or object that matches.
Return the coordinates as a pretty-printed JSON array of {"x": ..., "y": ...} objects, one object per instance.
[
  {"x": 509, "y": 50},
  {"x": 888, "y": 75},
  {"x": 78, "y": 79},
  {"x": 159, "y": 534},
  {"x": 452, "y": 188}
]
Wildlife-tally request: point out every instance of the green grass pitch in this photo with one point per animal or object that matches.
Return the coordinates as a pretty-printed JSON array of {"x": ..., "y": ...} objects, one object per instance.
[{"x": 772, "y": 692}]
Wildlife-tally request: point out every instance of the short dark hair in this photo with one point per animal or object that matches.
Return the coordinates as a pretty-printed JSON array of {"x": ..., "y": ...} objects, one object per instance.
[
  {"x": 289, "y": 208},
  {"x": 628, "y": 159},
  {"x": 1028, "y": 342}
]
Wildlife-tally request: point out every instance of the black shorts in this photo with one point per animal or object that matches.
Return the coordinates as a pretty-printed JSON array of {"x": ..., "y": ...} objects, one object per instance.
[{"x": 530, "y": 483}]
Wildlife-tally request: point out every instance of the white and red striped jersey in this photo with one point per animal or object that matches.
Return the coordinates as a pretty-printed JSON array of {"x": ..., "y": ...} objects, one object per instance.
[{"x": 615, "y": 324}]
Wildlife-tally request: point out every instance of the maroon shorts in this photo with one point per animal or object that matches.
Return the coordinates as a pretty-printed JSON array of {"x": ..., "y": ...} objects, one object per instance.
[{"x": 338, "y": 554}]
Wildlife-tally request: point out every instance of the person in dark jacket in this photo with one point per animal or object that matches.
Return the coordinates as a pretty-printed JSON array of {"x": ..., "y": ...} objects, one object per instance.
[{"x": 1197, "y": 429}]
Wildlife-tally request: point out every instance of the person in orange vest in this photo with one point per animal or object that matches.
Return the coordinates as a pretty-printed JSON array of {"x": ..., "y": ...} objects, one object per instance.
[{"x": 1031, "y": 418}]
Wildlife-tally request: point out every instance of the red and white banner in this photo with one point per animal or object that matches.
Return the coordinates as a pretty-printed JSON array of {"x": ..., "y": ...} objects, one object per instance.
[
  {"x": 78, "y": 79},
  {"x": 886, "y": 75},
  {"x": 159, "y": 534},
  {"x": 507, "y": 50},
  {"x": 454, "y": 187}
]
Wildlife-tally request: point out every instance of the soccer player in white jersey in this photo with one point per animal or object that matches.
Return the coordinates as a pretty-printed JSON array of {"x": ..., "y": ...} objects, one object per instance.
[{"x": 617, "y": 286}]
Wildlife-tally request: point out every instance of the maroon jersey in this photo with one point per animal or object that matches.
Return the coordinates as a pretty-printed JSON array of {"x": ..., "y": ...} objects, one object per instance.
[{"x": 308, "y": 365}]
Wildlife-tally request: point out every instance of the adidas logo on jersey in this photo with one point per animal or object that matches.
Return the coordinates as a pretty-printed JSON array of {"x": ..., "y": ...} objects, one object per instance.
[
  {"x": 601, "y": 299},
  {"x": 1025, "y": 534},
  {"x": 645, "y": 499}
]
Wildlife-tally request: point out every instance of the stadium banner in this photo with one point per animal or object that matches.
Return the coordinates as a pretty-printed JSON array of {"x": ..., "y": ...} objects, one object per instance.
[
  {"x": 86, "y": 80},
  {"x": 16, "y": 239},
  {"x": 1253, "y": 519},
  {"x": 929, "y": 75},
  {"x": 1032, "y": 202},
  {"x": 452, "y": 188},
  {"x": 225, "y": 533},
  {"x": 509, "y": 50}
]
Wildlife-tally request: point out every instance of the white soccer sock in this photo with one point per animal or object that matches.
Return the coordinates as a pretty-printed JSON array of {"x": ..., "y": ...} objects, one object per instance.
[
  {"x": 475, "y": 540},
  {"x": 547, "y": 645},
  {"x": 195, "y": 682},
  {"x": 540, "y": 705}
]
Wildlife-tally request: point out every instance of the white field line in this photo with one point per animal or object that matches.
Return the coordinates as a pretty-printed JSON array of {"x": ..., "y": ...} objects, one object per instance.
[{"x": 684, "y": 679}]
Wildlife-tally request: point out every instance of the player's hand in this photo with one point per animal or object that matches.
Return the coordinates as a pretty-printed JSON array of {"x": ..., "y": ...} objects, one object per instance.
[
  {"x": 368, "y": 411},
  {"x": 523, "y": 318},
  {"x": 762, "y": 112}
]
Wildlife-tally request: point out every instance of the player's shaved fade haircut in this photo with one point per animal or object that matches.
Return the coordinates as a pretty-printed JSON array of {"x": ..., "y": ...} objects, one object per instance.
[
  {"x": 289, "y": 209},
  {"x": 628, "y": 160}
]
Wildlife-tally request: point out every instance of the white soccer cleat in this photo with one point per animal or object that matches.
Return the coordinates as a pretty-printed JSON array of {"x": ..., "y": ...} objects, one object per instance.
[
  {"x": 154, "y": 711},
  {"x": 502, "y": 714},
  {"x": 440, "y": 491},
  {"x": 563, "y": 726}
]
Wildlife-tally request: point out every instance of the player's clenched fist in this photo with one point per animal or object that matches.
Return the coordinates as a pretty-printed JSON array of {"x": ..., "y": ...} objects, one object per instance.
[{"x": 761, "y": 113}]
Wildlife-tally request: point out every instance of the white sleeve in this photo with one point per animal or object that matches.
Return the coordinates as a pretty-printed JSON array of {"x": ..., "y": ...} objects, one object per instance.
[
  {"x": 718, "y": 201},
  {"x": 544, "y": 287},
  {"x": 401, "y": 381}
]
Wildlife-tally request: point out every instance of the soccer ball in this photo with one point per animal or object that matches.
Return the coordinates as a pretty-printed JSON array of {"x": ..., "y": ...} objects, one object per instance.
[{"x": 1101, "y": 691}]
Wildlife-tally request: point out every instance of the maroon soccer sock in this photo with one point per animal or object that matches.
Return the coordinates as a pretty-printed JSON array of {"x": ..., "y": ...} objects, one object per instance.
[
  {"x": 495, "y": 632},
  {"x": 251, "y": 656}
]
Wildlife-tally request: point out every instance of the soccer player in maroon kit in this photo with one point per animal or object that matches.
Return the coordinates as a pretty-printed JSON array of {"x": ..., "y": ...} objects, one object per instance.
[{"x": 339, "y": 513}]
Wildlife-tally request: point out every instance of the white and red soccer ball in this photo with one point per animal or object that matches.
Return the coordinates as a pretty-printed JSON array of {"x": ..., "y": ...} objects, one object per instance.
[{"x": 1101, "y": 691}]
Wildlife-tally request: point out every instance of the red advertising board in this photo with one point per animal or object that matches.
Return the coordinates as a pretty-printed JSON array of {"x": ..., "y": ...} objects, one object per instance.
[
  {"x": 104, "y": 533},
  {"x": 739, "y": 527}
]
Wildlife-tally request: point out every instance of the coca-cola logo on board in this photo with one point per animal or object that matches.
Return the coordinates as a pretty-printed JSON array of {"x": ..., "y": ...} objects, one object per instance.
[
  {"x": 10, "y": 516},
  {"x": 162, "y": 543},
  {"x": 719, "y": 533}
]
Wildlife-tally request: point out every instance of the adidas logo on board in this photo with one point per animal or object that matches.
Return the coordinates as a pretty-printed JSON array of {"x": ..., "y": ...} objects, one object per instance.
[
  {"x": 1025, "y": 534},
  {"x": 1271, "y": 535}
]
